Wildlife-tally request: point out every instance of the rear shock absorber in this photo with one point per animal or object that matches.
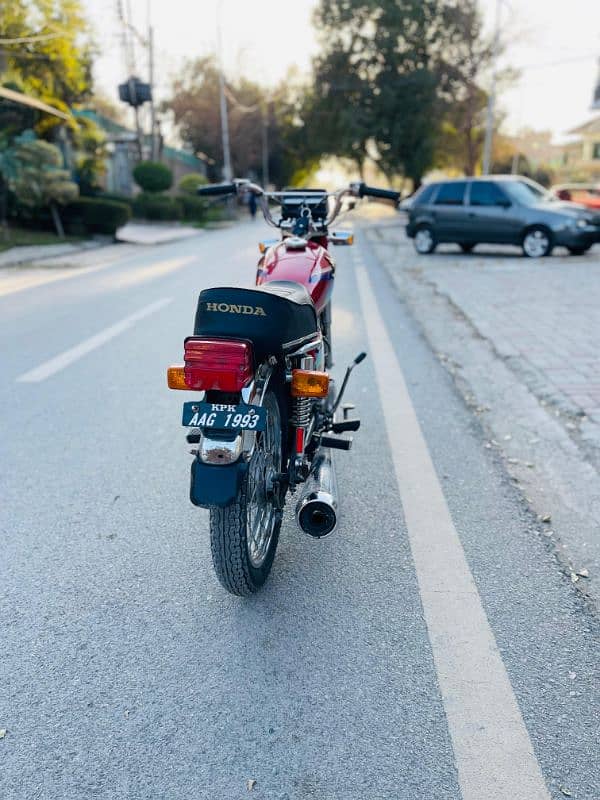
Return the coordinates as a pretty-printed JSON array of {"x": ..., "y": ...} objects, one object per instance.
[{"x": 300, "y": 419}]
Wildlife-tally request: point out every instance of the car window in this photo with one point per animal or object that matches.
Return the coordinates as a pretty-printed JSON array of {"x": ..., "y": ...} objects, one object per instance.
[
  {"x": 486, "y": 193},
  {"x": 525, "y": 193},
  {"x": 425, "y": 194},
  {"x": 451, "y": 194}
]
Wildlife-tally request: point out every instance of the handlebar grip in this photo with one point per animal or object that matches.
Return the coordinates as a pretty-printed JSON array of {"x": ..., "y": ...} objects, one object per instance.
[
  {"x": 382, "y": 194},
  {"x": 216, "y": 189}
]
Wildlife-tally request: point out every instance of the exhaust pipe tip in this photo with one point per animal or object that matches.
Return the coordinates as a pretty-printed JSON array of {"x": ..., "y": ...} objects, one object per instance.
[{"x": 317, "y": 517}]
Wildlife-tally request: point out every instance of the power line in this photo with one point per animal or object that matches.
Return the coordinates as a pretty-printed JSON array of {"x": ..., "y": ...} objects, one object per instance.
[{"x": 573, "y": 60}]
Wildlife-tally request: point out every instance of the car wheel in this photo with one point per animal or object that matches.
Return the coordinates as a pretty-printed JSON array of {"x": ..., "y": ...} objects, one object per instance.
[
  {"x": 537, "y": 242},
  {"x": 578, "y": 251},
  {"x": 425, "y": 240},
  {"x": 466, "y": 247}
]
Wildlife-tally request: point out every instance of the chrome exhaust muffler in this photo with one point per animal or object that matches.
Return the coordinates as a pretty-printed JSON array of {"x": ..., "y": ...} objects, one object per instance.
[{"x": 316, "y": 510}]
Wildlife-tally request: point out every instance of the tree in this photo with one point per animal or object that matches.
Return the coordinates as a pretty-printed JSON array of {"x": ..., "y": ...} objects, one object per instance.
[
  {"x": 89, "y": 144},
  {"x": 401, "y": 78},
  {"x": 54, "y": 62},
  {"x": 253, "y": 113},
  {"x": 38, "y": 180}
]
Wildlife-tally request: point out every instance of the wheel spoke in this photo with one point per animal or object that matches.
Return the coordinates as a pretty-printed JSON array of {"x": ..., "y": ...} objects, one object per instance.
[{"x": 261, "y": 509}]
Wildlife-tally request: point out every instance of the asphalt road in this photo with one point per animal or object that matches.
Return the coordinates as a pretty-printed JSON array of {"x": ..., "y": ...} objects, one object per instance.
[{"x": 127, "y": 673}]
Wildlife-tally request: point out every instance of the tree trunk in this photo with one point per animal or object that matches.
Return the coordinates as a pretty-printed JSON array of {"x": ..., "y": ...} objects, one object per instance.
[{"x": 57, "y": 221}]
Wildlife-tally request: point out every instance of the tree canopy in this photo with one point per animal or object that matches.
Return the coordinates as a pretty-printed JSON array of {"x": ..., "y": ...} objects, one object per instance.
[
  {"x": 50, "y": 53},
  {"x": 402, "y": 74}
]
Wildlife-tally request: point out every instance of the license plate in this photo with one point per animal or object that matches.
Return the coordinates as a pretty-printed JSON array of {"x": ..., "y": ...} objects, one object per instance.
[{"x": 217, "y": 416}]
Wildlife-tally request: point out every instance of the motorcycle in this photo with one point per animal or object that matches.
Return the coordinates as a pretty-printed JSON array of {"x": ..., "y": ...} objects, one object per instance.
[{"x": 267, "y": 416}]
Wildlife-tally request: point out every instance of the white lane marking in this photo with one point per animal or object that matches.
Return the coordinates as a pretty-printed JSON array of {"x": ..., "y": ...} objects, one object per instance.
[
  {"x": 18, "y": 283},
  {"x": 21, "y": 278},
  {"x": 40, "y": 276},
  {"x": 63, "y": 360},
  {"x": 493, "y": 752},
  {"x": 149, "y": 273}
]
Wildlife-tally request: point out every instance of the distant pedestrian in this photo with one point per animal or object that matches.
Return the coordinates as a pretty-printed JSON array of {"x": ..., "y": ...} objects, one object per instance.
[{"x": 252, "y": 205}]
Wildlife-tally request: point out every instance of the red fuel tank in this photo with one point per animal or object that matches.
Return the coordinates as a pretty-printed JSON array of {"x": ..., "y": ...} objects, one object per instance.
[{"x": 311, "y": 265}]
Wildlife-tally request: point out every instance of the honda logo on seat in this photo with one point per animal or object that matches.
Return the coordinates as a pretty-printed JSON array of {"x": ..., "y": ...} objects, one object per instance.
[{"x": 230, "y": 308}]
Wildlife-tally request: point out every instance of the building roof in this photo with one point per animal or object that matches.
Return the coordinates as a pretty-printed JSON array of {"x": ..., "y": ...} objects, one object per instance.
[
  {"x": 31, "y": 102},
  {"x": 116, "y": 129},
  {"x": 591, "y": 126}
]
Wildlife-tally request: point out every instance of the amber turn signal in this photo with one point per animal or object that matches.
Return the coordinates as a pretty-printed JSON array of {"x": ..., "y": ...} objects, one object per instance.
[
  {"x": 176, "y": 377},
  {"x": 309, "y": 384}
]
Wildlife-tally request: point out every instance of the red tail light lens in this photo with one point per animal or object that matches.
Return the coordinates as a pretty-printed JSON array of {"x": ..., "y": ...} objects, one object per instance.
[{"x": 217, "y": 364}]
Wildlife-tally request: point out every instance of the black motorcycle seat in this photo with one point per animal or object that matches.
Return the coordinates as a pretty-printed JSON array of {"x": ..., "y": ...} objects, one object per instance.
[
  {"x": 290, "y": 290},
  {"x": 277, "y": 317}
]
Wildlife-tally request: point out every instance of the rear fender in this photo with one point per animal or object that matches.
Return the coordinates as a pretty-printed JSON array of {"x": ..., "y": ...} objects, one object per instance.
[{"x": 216, "y": 485}]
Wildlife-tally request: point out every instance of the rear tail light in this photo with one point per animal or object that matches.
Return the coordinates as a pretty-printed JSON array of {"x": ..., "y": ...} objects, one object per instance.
[{"x": 217, "y": 364}]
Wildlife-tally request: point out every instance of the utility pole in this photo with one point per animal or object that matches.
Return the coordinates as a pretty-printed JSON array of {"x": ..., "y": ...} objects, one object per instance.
[
  {"x": 227, "y": 171},
  {"x": 265, "y": 145},
  {"x": 489, "y": 127},
  {"x": 596, "y": 99},
  {"x": 153, "y": 138}
]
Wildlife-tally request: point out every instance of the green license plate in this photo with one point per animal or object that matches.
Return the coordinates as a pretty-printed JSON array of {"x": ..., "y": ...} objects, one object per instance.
[{"x": 221, "y": 417}]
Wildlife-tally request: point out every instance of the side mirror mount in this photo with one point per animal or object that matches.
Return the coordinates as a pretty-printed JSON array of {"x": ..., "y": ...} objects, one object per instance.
[{"x": 264, "y": 245}]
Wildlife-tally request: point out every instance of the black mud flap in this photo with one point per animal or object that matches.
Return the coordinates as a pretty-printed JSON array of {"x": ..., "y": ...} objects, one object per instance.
[{"x": 215, "y": 485}]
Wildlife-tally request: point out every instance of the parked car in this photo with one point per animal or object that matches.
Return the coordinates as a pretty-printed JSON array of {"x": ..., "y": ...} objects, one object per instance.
[
  {"x": 503, "y": 209},
  {"x": 585, "y": 194}
]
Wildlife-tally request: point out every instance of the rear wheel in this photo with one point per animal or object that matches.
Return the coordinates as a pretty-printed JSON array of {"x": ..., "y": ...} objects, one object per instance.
[
  {"x": 425, "y": 240},
  {"x": 244, "y": 535},
  {"x": 537, "y": 242},
  {"x": 466, "y": 247}
]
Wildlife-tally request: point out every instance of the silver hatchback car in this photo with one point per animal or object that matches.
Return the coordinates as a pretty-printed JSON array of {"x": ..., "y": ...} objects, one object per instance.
[{"x": 503, "y": 209}]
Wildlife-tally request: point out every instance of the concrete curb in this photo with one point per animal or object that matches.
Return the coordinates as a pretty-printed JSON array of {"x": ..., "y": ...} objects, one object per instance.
[
  {"x": 558, "y": 482},
  {"x": 28, "y": 254}
]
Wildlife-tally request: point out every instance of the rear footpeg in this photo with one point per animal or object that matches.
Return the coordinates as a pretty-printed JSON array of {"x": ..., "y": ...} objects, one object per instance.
[
  {"x": 336, "y": 444},
  {"x": 346, "y": 425}
]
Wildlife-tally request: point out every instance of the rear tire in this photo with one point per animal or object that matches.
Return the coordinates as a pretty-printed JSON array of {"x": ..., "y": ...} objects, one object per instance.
[
  {"x": 244, "y": 535},
  {"x": 466, "y": 247},
  {"x": 537, "y": 242},
  {"x": 425, "y": 241}
]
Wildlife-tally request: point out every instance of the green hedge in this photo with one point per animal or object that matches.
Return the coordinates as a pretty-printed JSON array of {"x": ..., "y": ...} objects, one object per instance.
[
  {"x": 95, "y": 215},
  {"x": 157, "y": 207},
  {"x": 193, "y": 208},
  {"x": 115, "y": 198},
  {"x": 152, "y": 176},
  {"x": 189, "y": 183}
]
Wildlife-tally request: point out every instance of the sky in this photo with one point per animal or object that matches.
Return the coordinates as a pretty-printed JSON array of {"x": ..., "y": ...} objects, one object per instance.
[{"x": 555, "y": 43}]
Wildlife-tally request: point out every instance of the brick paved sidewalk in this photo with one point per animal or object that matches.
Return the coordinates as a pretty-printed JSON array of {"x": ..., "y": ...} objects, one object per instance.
[
  {"x": 520, "y": 339},
  {"x": 542, "y": 315}
]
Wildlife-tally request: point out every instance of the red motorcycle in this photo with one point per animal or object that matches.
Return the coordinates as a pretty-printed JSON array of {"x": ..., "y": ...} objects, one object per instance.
[{"x": 266, "y": 419}]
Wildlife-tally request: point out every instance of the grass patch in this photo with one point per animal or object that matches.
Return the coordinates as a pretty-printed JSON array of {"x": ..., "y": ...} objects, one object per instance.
[{"x": 25, "y": 237}]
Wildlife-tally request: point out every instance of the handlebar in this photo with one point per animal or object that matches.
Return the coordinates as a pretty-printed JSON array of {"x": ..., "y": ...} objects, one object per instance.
[
  {"x": 214, "y": 189},
  {"x": 381, "y": 194},
  {"x": 240, "y": 186}
]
